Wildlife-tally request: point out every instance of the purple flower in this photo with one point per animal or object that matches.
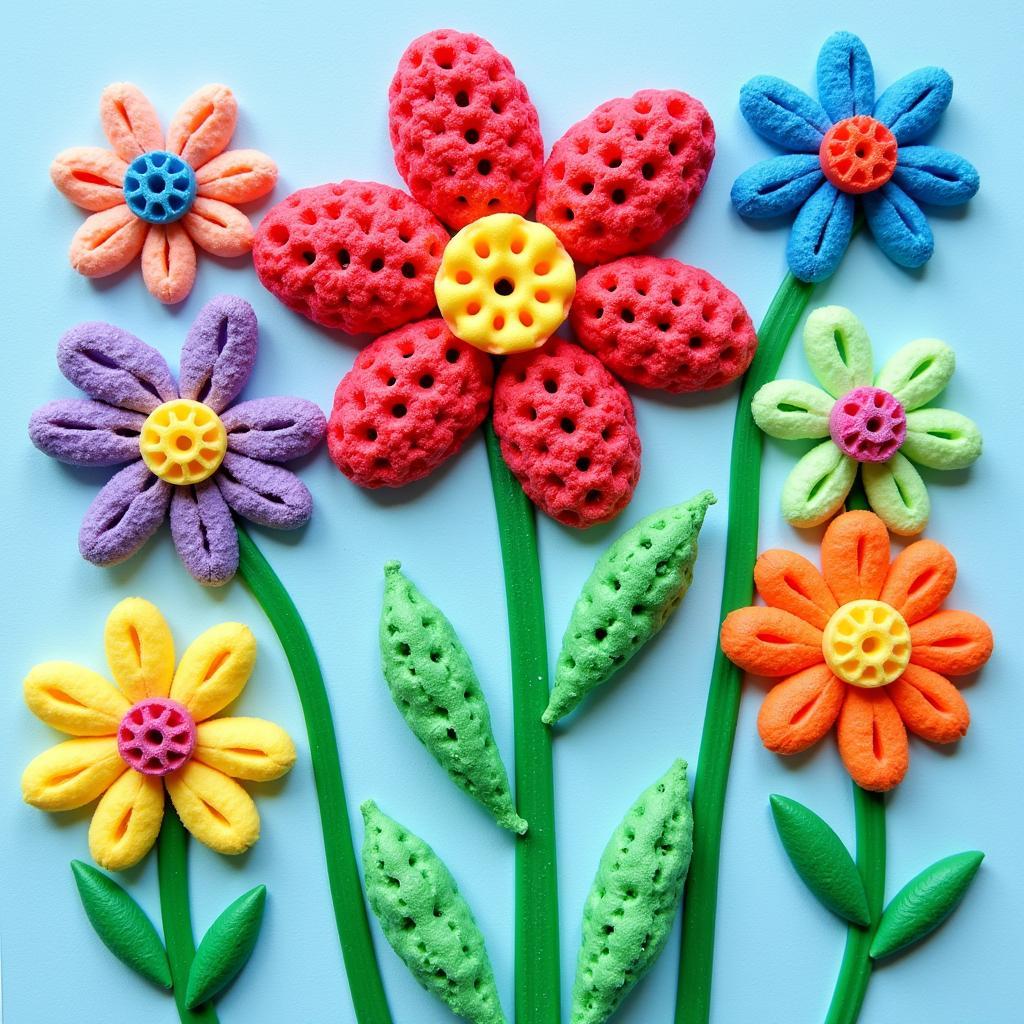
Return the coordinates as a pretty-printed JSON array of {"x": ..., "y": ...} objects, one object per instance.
[{"x": 187, "y": 447}]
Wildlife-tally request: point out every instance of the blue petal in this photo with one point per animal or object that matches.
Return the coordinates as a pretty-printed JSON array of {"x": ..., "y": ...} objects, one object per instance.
[
  {"x": 781, "y": 113},
  {"x": 931, "y": 175},
  {"x": 899, "y": 226},
  {"x": 776, "y": 186},
  {"x": 846, "y": 79},
  {"x": 914, "y": 104},
  {"x": 821, "y": 233}
]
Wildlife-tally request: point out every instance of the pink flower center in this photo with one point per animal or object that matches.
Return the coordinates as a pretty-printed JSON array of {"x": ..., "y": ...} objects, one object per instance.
[
  {"x": 858, "y": 155},
  {"x": 868, "y": 424},
  {"x": 156, "y": 737}
]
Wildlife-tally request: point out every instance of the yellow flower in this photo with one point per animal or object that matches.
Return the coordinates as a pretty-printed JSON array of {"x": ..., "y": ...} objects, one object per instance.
[{"x": 154, "y": 728}]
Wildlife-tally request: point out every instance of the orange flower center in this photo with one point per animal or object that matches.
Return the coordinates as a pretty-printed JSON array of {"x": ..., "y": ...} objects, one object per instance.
[
  {"x": 867, "y": 643},
  {"x": 858, "y": 155}
]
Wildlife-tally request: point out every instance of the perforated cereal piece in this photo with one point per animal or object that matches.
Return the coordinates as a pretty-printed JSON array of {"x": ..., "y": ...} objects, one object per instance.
[
  {"x": 662, "y": 324},
  {"x": 568, "y": 433},
  {"x": 466, "y": 136},
  {"x": 622, "y": 177},
  {"x": 408, "y": 404},
  {"x": 355, "y": 255}
]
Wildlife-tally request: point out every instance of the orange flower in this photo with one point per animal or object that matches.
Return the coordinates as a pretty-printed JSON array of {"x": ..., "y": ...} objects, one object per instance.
[{"x": 862, "y": 642}]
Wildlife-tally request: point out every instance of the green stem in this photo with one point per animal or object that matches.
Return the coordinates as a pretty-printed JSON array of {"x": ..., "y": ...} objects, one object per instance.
[
  {"x": 364, "y": 980},
  {"x": 172, "y": 874},
  {"x": 693, "y": 997},
  {"x": 537, "y": 979}
]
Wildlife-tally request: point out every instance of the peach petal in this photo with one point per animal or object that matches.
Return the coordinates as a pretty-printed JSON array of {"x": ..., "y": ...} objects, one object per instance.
[
  {"x": 90, "y": 177},
  {"x": 855, "y": 556},
  {"x": 920, "y": 579},
  {"x": 770, "y": 641},
  {"x": 787, "y": 580},
  {"x": 238, "y": 176},
  {"x": 930, "y": 705},
  {"x": 129, "y": 121},
  {"x": 168, "y": 262},
  {"x": 218, "y": 228},
  {"x": 953, "y": 643},
  {"x": 204, "y": 124},
  {"x": 872, "y": 739},
  {"x": 107, "y": 242},
  {"x": 798, "y": 711}
]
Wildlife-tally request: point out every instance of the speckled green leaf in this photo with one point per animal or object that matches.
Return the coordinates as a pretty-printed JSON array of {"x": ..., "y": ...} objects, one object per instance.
[
  {"x": 433, "y": 685},
  {"x": 635, "y": 586}
]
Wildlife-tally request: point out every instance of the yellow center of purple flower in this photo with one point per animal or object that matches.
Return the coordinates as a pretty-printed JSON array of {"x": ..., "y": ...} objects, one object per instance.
[{"x": 183, "y": 442}]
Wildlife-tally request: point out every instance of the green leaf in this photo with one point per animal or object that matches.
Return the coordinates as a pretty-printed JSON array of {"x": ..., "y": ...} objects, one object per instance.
[
  {"x": 226, "y": 947},
  {"x": 925, "y": 902},
  {"x": 821, "y": 860},
  {"x": 121, "y": 924}
]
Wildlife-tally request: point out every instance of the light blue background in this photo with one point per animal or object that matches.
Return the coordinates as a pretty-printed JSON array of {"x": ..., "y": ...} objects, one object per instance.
[{"x": 312, "y": 83}]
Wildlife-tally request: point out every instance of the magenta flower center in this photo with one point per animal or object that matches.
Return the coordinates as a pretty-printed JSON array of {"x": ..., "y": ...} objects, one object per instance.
[
  {"x": 156, "y": 737},
  {"x": 868, "y": 424}
]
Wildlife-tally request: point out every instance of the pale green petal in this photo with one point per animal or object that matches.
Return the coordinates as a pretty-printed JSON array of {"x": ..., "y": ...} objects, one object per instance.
[
  {"x": 818, "y": 485},
  {"x": 897, "y": 494},
  {"x": 838, "y": 350},
  {"x": 792, "y": 409},
  {"x": 918, "y": 372},
  {"x": 941, "y": 439}
]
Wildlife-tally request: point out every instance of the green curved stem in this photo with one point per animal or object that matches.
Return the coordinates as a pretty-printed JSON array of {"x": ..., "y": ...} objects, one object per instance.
[
  {"x": 693, "y": 997},
  {"x": 537, "y": 980},
  {"x": 364, "y": 979}
]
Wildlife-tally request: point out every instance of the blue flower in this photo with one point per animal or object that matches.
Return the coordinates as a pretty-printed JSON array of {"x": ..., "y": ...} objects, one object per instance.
[{"x": 848, "y": 145}]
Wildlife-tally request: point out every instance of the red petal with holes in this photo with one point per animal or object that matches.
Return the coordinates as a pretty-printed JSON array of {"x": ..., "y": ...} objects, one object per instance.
[{"x": 798, "y": 711}]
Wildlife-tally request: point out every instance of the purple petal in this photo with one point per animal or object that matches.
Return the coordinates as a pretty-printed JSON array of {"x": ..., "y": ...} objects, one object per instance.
[
  {"x": 124, "y": 515},
  {"x": 264, "y": 493},
  {"x": 274, "y": 429},
  {"x": 115, "y": 367},
  {"x": 204, "y": 533},
  {"x": 219, "y": 352},
  {"x": 86, "y": 433}
]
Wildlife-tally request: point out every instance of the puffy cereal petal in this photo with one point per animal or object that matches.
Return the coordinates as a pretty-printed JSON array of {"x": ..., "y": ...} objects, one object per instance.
[
  {"x": 90, "y": 177},
  {"x": 932, "y": 175},
  {"x": 129, "y": 121},
  {"x": 168, "y": 263},
  {"x": 838, "y": 350},
  {"x": 71, "y": 774},
  {"x": 846, "y": 77},
  {"x": 274, "y": 429},
  {"x": 792, "y": 410},
  {"x": 912, "y": 106},
  {"x": 918, "y": 372},
  {"x": 788, "y": 581},
  {"x": 783, "y": 114},
  {"x": 821, "y": 233},
  {"x": 214, "y": 669},
  {"x": 817, "y": 485},
  {"x": 897, "y": 493},
  {"x": 245, "y": 748},
  {"x": 872, "y": 739},
  {"x": 204, "y": 533},
  {"x": 777, "y": 186},
  {"x": 264, "y": 493},
  {"x": 82, "y": 432},
  {"x": 238, "y": 176},
  {"x": 203, "y": 126},
  {"x": 214, "y": 808},
  {"x": 930, "y": 705},
  {"x": 218, "y": 228},
  {"x": 941, "y": 439},
  {"x": 74, "y": 699},
  {"x": 920, "y": 578},
  {"x": 107, "y": 242},
  {"x": 770, "y": 641},
  {"x": 126, "y": 821},
  {"x": 140, "y": 649},
  {"x": 855, "y": 556},
  {"x": 899, "y": 226},
  {"x": 797, "y": 712},
  {"x": 952, "y": 642},
  {"x": 219, "y": 352}
]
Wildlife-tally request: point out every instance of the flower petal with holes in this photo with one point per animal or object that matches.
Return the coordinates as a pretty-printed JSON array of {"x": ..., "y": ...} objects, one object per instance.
[
  {"x": 82, "y": 432},
  {"x": 72, "y": 774},
  {"x": 126, "y": 821},
  {"x": 245, "y": 748},
  {"x": 798, "y": 711},
  {"x": 214, "y": 808},
  {"x": 770, "y": 641},
  {"x": 74, "y": 699},
  {"x": 140, "y": 649},
  {"x": 214, "y": 669},
  {"x": 90, "y": 177},
  {"x": 219, "y": 352},
  {"x": 872, "y": 739}
]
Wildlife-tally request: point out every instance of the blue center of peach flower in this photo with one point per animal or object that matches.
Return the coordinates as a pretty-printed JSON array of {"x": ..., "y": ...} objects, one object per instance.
[{"x": 159, "y": 187}]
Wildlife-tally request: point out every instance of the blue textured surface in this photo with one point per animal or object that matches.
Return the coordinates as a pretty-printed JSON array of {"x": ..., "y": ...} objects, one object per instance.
[
  {"x": 312, "y": 86},
  {"x": 160, "y": 187}
]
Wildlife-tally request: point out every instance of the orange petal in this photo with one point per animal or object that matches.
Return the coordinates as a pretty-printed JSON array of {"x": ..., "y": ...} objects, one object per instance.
[
  {"x": 90, "y": 177},
  {"x": 239, "y": 176},
  {"x": 872, "y": 739},
  {"x": 770, "y": 641},
  {"x": 129, "y": 121},
  {"x": 798, "y": 711},
  {"x": 203, "y": 126},
  {"x": 855, "y": 556},
  {"x": 930, "y": 705},
  {"x": 919, "y": 580},
  {"x": 218, "y": 228},
  {"x": 954, "y": 643},
  {"x": 168, "y": 262},
  {"x": 107, "y": 242},
  {"x": 787, "y": 580}
]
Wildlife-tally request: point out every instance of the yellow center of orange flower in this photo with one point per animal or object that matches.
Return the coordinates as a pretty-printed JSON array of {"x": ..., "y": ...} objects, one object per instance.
[
  {"x": 867, "y": 643},
  {"x": 183, "y": 442}
]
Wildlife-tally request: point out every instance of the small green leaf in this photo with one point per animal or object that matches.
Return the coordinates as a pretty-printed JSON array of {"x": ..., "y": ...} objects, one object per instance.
[
  {"x": 925, "y": 902},
  {"x": 121, "y": 924},
  {"x": 821, "y": 860},
  {"x": 226, "y": 947}
]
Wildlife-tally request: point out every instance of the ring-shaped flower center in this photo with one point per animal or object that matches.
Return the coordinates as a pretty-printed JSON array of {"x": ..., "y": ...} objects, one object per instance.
[
  {"x": 858, "y": 154},
  {"x": 183, "y": 442},
  {"x": 156, "y": 737},
  {"x": 159, "y": 187},
  {"x": 867, "y": 643},
  {"x": 868, "y": 424}
]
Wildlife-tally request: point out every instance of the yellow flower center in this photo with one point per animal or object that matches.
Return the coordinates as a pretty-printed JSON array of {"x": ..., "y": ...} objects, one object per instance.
[
  {"x": 505, "y": 284},
  {"x": 867, "y": 643},
  {"x": 183, "y": 442}
]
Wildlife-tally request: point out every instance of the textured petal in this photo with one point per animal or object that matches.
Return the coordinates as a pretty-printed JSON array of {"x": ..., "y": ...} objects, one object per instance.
[
  {"x": 204, "y": 533},
  {"x": 90, "y": 177},
  {"x": 872, "y": 739},
  {"x": 218, "y": 228},
  {"x": 917, "y": 372},
  {"x": 899, "y": 226},
  {"x": 107, "y": 242},
  {"x": 140, "y": 649},
  {"x": 274, "y": 429},
  {"x": 74, "y": 699},
  {"x": 930, "y": 705},
  {"x": 214, "y": 808},
  {"x": 219, "y": 352},
  {"x": 932, "y": 175},
  {"x": 820, "y": 234},
  {"x": 846, "y": 77},
  {"x": 82, "y": 432},
  {"x": 912, "y": 106},
  {"x": 777, "y": 185},
  {"x": 264, "y": 493},
  {"x": 214, "y": 669},
  {"x": 855, "y": 556},
  {"x": 245, "y": 748},
  {"x": 817, "y": 485},
  {"x": 954, "y": 643},
  {"x": 897, "y": 493},
  {"x": 941, "y": 439},
  {"x": 168, "y": 263},
  {"x": 770, "y": 642},
  {"x": 783, "y": 114},
  {"x": 838, "y": 350},
  {"x": 71, "y": 774},
  {"x": 920, "y": 578},
  {"x": 239, "y": 176},
  {"x": 788, "y": 581},
  {"x": 798, "y": 711},
  {"x": 792, "y": 410},
  {"x": 129, "y": 121},
  {"x": 203, "y": 126},
  {"x": 123, "y": 516},
  {"x": 126, "y": 821},
  {"x": 115, "y": 367}
]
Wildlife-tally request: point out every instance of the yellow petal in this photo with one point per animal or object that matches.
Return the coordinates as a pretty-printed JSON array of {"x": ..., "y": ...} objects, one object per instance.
[
  {"x": 245, "y": 748},
  {"x": 214, "y": 808},
  {"x": 140, "y": 649},
  {"x": 72, "y": 774},
  {"x": 74, "y": 699},
  {"x": 214, "y": 670},
  {"x": 126, "y": 821}
]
